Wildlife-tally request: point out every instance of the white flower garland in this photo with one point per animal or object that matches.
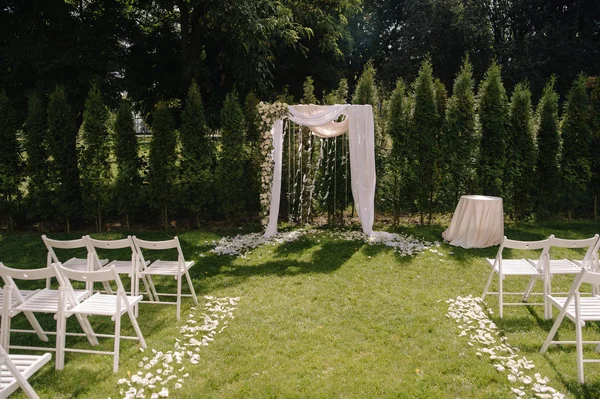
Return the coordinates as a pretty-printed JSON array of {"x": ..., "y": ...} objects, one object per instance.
[
  {"x": 168, "y": 369},
  {"x": 482, "y": 332},
  {"x": 240, "y": 245},
  {"x": 269, "y": 113}
]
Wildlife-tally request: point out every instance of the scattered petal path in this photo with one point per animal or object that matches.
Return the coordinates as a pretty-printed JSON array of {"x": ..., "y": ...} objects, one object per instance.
[
  {"x": 169, "y": 370},
  {"x": 483, "y": 335}
]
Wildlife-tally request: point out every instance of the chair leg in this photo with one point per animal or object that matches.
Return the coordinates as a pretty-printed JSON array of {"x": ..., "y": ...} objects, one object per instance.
[
  {"x": 136, "y": 328},
  {"x": 500, "y": 295},
  {"x": 487, "y": 285},
  {"x": 87, "y": 328},
  {"x": 189, "y": 280},
  {"x": 579, "y": 339},
  {"x": 151, "y": 289},
  {"x": 529, "y": 288},
  {"x": 178, "y": 297},
  {"x": 117, "y": 342},
  {"x": 60, "y": 338},
  {"x": 554, "y": 328},
  {"x": 5, "y": 323},
  {"x": 36, "y": 326},
  {"x": 547, "y": 305}
]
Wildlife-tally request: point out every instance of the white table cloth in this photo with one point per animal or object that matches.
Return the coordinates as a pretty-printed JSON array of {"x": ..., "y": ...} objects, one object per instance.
[{"x": 478, "y": 222}]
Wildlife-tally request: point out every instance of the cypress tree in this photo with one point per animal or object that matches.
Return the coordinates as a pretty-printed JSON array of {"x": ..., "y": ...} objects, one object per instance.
[
  {"x": 39, "y": 192},
  {"x": 62, "y": 134},
  {"x": 401, "y": 174},
  {"x": 196, "y": 156},
  {"x": 460, "y": 138},
  {"x": 95, "y": 164},
  {"x": 576, "y": 137},
  {"x": 548, "y": 143},
  {"x": 493, "y": 119},
  {"x": 595, "y": 127},
  {"x": 253, "y": 157},
  {"x": 424, "y": 135},
  {"x": 163, "y": 172},
  {"x": 230, "y": 169},
  {"x": 128, "y": 183},
  {"x": 10, "y": 159},
  {"x": 520, "y": 145},
  {"x": 441, "y": 103}
]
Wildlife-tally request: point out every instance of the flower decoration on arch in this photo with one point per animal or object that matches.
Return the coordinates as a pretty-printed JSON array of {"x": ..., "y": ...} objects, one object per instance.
[{"x": 269, "y": 113}]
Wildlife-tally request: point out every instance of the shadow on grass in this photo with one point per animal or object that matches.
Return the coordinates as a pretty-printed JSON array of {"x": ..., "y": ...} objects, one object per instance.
[{"x": 590, "y": 390}]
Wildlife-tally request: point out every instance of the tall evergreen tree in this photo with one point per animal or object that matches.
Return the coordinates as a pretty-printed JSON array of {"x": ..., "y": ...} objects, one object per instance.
[
  {"x": 460, "y": 140},
  {"x": 548, "y": 144},
  {"x": 62, "y": 134},
  {"x": 163, "y": 172},
  {"x": 230, "y": 169},
  {"x": 95, "y": 163},
  {"x": 441, "y": 104},
  {"x": 253, "y": 157},
  {"x": 39, "y": 194},
  {"x": 401, "y": 176},
  {"x": 493, "y": 119},
  {"x": 424, "y": 135},
  {"x": 520, "y": 145},
  {"x": 197, "y": 157},
  {"x": 595, "y": 127},
  {"x": 128, "y": 182},
  {"x": 10, "y": 159},
  {"x": 576, "y": 138}
]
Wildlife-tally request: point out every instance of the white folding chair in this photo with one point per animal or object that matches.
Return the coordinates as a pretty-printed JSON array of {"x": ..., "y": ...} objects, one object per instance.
[
  {"x": 520, "y": 267},
  {"x": 42, "y": 301},
  {"x": 579, "y": 310},
  {"x": 591, "y": 260},
  {"x": 127, "y": 267},
  {"x": 99, "y": 304},
  {"x": 74, "y": 262},
  {"x": 11, "y": 312},
  {"x": 177, "y": 269},
  {"x": 569, "y": 266},
  {"x": 15, "y": 370}
]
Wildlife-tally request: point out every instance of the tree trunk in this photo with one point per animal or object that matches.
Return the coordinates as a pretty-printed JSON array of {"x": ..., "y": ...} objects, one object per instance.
[
  {"x": 595, "y": 206},
  {"x": 68, "y": 225},
  {"x": 10, "y": 222},
  {"x": 165, "y": 218},
  {"x": 127, "y": 222},
  {"x": 99, "y": 221},
  {"x": 198, "y": 221}
]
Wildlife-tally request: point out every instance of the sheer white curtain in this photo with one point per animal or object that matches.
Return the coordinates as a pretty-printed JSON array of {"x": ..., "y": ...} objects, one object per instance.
[{"x": 321, "y": 120}]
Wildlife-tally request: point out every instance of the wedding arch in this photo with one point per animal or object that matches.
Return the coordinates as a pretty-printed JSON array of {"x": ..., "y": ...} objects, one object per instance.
[{"x": 322, "y": 121}]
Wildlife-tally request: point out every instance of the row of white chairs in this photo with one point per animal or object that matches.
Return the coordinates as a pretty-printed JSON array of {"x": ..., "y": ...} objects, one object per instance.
[
  {"x": 572, "y": 305},
  {"x": 137, "y": 267},
  {"x": 65, "y": 301},
  {"x": 62, "y": 300}
]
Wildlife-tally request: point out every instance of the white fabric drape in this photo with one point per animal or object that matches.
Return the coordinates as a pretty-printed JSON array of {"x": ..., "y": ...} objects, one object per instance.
[{"x": 321, "y": 120}]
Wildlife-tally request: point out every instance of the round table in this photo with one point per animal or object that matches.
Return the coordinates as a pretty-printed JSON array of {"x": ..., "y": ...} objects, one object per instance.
[{"x": 478, "y": 222}]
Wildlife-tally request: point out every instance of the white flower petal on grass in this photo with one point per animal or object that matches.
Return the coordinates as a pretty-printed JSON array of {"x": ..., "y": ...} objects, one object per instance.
[
  {"x": 474, "y": 323},
  {"x": 219, "y": 311}
]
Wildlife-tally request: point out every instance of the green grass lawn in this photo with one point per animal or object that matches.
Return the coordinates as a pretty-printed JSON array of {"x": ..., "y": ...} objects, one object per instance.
[{"x": 325, "y": 318}]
